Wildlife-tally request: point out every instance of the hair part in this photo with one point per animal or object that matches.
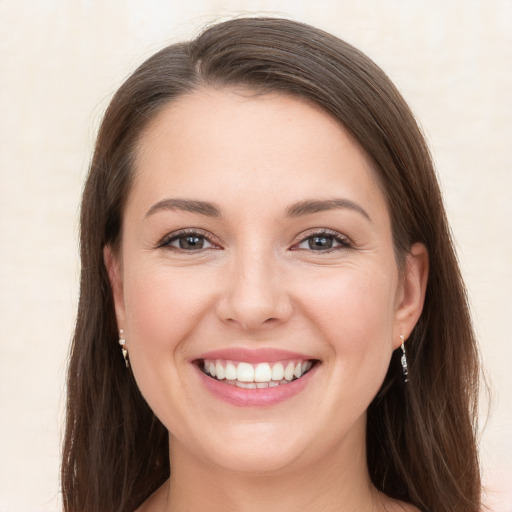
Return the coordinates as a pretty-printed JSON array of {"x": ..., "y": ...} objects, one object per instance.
[{"x": 420, "y": 437}]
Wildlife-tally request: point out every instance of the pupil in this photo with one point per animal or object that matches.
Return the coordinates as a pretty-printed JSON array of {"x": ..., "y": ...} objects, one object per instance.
[
  {"x": 191, "y": 242},
  {"x": 320, "y": 242}
]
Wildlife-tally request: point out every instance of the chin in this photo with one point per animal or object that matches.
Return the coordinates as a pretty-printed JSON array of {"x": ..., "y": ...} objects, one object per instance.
[
  {"x": 260, "y": 460},
  {"x": 265, "y": 449}
]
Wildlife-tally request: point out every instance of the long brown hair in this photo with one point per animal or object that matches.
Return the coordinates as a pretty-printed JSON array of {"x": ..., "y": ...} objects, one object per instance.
[{"x": 420, "y": 436}]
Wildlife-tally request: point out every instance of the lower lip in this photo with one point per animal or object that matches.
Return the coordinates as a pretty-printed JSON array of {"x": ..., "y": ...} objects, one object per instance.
[{"x": 259, "y": 397}]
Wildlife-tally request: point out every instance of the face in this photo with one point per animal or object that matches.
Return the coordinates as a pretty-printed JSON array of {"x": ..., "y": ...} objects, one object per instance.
[{"x": 257, "y": 283}]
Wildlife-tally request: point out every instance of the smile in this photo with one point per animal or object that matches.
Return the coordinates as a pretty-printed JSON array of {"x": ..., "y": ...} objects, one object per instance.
[{"x": 255, "y": 376}]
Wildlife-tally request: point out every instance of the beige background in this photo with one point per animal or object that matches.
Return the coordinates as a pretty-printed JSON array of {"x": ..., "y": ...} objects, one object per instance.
[{"x": 61, "y": 61}]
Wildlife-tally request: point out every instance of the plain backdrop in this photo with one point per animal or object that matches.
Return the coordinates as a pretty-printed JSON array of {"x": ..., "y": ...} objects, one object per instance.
[{"x": 61, "y": 60}]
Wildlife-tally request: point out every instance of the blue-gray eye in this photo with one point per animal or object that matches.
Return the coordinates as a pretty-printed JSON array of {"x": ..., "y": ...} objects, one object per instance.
[
  {"x": 323, "y": 242},
  {"x": 319, "y": 243},
  {"x": 189, "y": 242}
]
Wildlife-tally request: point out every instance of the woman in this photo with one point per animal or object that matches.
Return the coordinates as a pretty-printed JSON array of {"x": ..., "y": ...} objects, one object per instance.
[{"x": 271, "y": 313}]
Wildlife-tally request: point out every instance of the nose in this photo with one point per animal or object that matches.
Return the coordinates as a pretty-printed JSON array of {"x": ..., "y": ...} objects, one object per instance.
[{"x": 254, "y": 295}]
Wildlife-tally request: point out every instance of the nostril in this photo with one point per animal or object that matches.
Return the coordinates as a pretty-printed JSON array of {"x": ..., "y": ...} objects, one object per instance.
[{"x": 254, "y": 300}]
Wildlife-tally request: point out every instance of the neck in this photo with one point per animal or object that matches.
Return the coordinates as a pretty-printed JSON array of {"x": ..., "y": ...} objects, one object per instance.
[{"x": 337, "y": 481}]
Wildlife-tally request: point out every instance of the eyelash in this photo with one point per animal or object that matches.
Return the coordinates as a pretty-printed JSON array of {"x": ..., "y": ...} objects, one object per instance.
[
  {"x": 167, "y": 240},
  {"x": 342, "y": 241}
]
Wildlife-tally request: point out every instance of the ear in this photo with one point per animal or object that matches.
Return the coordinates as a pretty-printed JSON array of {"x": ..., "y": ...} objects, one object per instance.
[
  {"x": 411, "y": 293},
  {"x": 115, "y": 275}
]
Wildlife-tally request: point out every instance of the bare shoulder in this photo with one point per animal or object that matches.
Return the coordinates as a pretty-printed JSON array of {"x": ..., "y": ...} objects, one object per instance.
[
  {"x": 388, "y": 504},
  {"x": 156, "y": 501},
  {"x": 401, "y": 506}
]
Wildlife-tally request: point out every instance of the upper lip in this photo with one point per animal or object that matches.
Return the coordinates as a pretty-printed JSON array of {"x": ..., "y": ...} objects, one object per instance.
[{"x": 259, "y": 355}]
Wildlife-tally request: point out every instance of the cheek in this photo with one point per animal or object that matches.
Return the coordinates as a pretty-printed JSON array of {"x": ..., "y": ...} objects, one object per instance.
[
  {"x": 354, "y": 309},
  {"x": 163, "y": 308},
  {"x": 163, "y": 304},
  {"x": 354, "y": 298}
]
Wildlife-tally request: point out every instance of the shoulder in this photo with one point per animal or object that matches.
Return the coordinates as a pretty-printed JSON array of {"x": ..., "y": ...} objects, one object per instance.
[
  {"x": 156, "y": 501},
  {"x": 401, "y": 506},
  {"x": 388, "y": 504}
]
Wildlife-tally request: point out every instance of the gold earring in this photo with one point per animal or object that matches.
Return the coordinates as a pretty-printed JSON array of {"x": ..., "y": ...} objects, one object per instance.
[
  {"x": 403, "y": 360},
  {"x": 122, "y": 342}
]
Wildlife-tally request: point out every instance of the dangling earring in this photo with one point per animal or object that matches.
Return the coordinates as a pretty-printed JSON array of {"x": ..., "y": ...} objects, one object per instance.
[
  {"x": 403, "y": 360},
  {"x": 122, "y": 342}
]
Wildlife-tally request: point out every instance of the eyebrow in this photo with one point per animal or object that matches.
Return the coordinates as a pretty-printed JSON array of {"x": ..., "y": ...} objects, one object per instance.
[
  {"x": 306, "y": 207},
  {"x": 311, "y": 206},
  {"x": 186, "y": 205}
]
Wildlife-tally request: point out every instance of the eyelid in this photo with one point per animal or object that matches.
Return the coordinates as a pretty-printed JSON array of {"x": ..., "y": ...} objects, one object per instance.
[
  {"x": 343, "y": 240},
  {"x": 174, "y": 235}
]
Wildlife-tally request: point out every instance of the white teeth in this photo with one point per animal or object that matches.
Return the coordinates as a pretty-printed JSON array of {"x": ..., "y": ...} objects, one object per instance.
[
  {"x": 221, "y": 372},
  {"x": 288, "y": 373},
  {"x": 261, "y": 375},
  {"x": 231, "y": 371},
  {"x": 277, "y": 372},
  {"x": 245, "y": 372},
  {"x": 262, "y": 372},
  {"x": 246, "y": 385}
]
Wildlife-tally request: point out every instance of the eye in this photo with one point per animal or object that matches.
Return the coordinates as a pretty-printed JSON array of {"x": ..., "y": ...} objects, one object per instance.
[
  {"x": 323, "y": 241},
  {"x": 187, "y": 241}
]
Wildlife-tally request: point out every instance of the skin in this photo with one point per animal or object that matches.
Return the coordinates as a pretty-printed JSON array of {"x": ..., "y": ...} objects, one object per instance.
[{"x": 257, "y": 283}]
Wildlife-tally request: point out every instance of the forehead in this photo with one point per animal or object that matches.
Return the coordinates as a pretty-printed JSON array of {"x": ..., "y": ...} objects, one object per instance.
[{"x": 218, "y": 144}]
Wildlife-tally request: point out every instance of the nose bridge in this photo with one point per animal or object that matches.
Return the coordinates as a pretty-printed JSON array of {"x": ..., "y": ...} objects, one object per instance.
[{"x": 255, "y": 295}]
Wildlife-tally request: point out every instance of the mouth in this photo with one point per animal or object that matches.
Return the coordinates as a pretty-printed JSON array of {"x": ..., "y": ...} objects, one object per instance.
[{"x": 260, "y": 375}]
